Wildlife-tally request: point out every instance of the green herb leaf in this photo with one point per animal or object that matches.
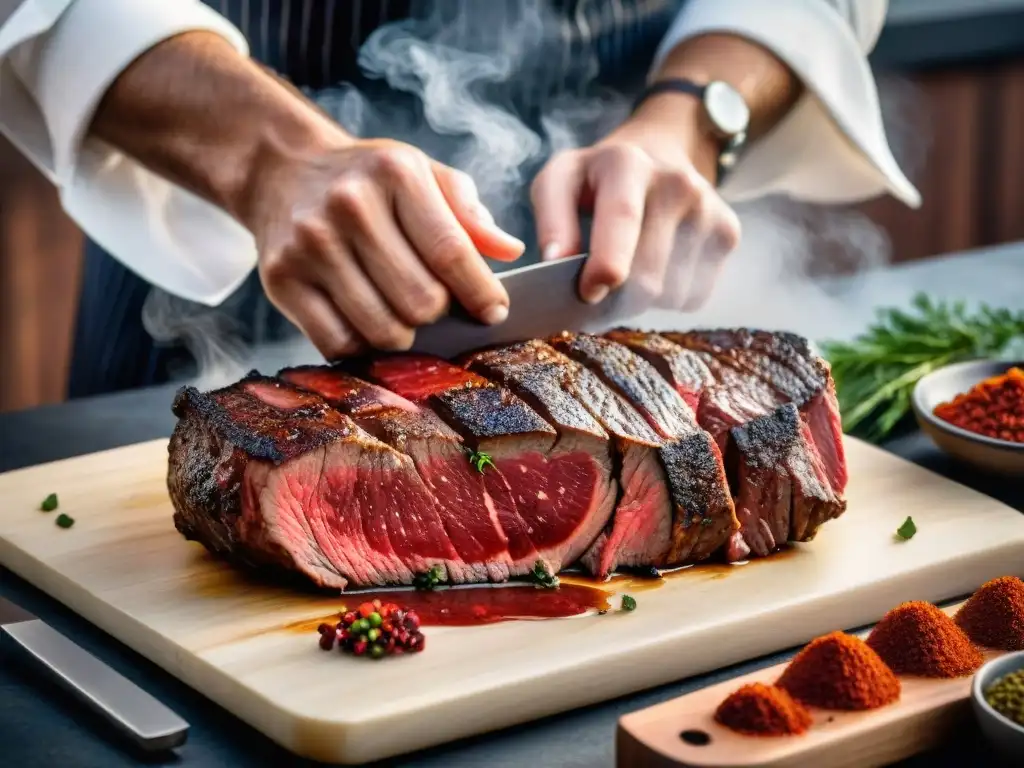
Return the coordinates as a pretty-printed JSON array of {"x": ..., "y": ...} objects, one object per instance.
[
  {"x": 707, "y": 521},
  {"x": 480, "y": 460},
  {"x": 907, "y": 530},
  {"x": 542, "y": 578},
  {"x": 428, "y": 581},
  {"x": 49, "y": 503},
  {"x": 875, "y": 373},
  {"x": 628, "y": 603},
  {"x": 65, "y": 521}
]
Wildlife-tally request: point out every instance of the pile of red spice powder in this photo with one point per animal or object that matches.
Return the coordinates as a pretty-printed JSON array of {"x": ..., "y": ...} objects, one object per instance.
[
  {"x": 840, "y": 671},
  {"x": 994, "y": 615},
  {"x": 994, "y": 408},
  {"x": 757, "y": 709},
  {"x": 917, "y": 638}
]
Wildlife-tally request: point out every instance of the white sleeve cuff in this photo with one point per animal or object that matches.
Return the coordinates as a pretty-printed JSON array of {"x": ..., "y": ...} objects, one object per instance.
[
  {"x": 167, "y": 235},
  {"x": 831, "y": 147}
]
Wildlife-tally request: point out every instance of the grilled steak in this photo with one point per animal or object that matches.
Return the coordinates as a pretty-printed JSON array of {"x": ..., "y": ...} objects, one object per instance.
[
  {"x": 601, "y": 450},
  {"x": 770, "y": 405}
]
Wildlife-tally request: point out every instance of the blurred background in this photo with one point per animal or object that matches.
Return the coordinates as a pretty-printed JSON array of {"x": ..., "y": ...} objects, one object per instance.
[{"x": 951, "y": 76}]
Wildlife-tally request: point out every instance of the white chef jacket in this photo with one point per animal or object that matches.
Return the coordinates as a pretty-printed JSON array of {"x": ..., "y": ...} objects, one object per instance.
[{"x": 58, "y": 57}]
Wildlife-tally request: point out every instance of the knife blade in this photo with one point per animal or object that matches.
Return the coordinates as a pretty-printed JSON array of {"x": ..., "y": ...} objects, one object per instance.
[
  {"x": 135, "y": 713},
  {"x": 543, "y": 300}
]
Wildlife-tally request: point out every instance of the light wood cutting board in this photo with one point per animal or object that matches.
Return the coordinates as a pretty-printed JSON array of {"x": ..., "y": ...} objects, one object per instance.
[{"x": 125, "y": 568}]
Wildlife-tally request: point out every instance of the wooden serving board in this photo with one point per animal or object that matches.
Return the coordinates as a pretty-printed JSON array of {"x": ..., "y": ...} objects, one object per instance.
[
  {"x": 124, "y": 567},
  {"x": 927, "y": 711}
]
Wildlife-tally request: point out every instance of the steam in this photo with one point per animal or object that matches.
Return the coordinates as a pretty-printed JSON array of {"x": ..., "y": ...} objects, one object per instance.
[{"x": 448, "y": 84}]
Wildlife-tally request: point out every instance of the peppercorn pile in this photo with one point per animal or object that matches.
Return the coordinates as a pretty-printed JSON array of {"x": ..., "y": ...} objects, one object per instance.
[
  {"x": 840, "y": 671},
  {"x": 994, "y": 615},
  {"x": 757, "y": 709},
  {"x": 1006, "y": 696},
  {"x": 993, "y": 408},
  {"x": 917, "y": 638},
  {"x": 375, "y": 630}
]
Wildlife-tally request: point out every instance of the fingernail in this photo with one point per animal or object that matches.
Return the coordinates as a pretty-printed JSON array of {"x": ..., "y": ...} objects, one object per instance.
[
  {"x": 551, "y": 252},
  {"x": 495, "y": 314},
  {"x": 597, "y": 295}
]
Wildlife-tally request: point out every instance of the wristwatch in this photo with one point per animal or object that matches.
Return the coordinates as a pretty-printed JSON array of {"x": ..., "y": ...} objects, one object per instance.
[{"x": 726, "y": 114}]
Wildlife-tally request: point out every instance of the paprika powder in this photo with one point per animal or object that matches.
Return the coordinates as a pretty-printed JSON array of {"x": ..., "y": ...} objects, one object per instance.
[
  {"x": 840, "y": 671},
  {"x": 757, "y": 709},
  {"x": 916, "y": 638},
  {"x": 994, "y": 408},
  {"x": 994, "y": 615}
]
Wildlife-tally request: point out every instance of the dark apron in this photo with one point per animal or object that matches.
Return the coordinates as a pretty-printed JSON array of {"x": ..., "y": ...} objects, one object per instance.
[{"x": 316, "y": 45}]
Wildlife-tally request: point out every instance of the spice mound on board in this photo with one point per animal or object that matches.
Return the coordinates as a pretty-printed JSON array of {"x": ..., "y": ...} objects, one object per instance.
[
  {"x": 994, "y": 615},
  {"x": 993, "y": 408},
  {"x": 1006, "y": 696},
  {"x": 917, "y": 638},
  {"x": 757, "y": 709},
  {"x": 840, "y": 671},
  {"x": 374, "y": 630}
]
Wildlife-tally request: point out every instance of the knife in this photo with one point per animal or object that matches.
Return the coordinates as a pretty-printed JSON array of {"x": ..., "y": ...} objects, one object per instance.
[
  {"x": 147, "y": 722},
  {"x": 543, "y": 300}
]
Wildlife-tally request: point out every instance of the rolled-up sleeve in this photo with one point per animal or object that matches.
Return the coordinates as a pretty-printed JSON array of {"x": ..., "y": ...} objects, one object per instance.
[
  {"x": 57, "y": 60},
  {"x": 831, "y": 147}
]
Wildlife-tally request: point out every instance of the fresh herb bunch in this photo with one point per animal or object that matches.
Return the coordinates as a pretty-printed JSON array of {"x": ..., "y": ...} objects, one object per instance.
[{"x": 875, "y": 373}]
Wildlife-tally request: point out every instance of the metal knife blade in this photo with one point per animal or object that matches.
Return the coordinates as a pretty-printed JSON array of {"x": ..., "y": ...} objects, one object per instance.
[
  {"x": 543, "y": 300},
  {"x": 130, "y": 709}
]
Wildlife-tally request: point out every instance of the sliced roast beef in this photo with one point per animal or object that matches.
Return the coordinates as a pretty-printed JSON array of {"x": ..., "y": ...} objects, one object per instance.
[
  {"x": 551, "y": 497},
  {"x": 269, "y": 475},
  {"x": 581, "y": 407},
  {"x": 704, "y": 516},
  {"x": 768, "y": 389},
  {"x": 438, "y": 453}
]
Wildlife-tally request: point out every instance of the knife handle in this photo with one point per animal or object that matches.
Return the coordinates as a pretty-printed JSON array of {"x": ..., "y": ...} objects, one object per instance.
[{"x": 139, "y": 716}]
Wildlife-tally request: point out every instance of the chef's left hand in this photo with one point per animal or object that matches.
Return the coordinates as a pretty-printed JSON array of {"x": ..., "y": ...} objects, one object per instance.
[{"x": 657, "y": 220}]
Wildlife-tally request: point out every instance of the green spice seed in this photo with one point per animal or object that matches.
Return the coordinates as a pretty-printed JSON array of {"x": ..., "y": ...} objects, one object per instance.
[
  {"x": 907, "y": 530},
  {"x": 376, "y": 651},
  {"x": 364, "y": 625},
  {"x": 65, "y": 521},
  {"x": 1006, "y": 696},
  {"x": 49, "y": 503},
  {"x": 375, "y": 619},
  {"x": 372, "y": 635},
  {"x": 628, "y": 603},
  {"x": 707, "y": 521}
]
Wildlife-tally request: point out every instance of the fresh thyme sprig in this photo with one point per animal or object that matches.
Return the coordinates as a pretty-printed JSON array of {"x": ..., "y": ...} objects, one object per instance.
[
  {"x": 875, "y": 373},
  {"x": 479, "y": 459}
]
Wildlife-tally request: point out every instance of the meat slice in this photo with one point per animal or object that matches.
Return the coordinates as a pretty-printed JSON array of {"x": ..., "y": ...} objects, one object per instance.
[
  {"x": 438, "y": 454},
  {"x": 550, "y": 497},
  {"x": 704, "y": 517},
  {"x": 268, "y": 475},
  {"x": 683, "y": 369},
  {"x": 772, "y": 411}
]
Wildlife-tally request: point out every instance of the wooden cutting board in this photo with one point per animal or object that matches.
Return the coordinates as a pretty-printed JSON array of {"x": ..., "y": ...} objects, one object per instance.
[{"x": 125, "y": 568}]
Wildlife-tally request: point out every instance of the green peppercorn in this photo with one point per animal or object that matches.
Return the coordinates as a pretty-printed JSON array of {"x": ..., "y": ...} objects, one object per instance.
[
  {"x": 364, "y": 625},
  {"x": 375, "y": 619},
  {"x": 376, "y": 651},
  {"x": 373, "y": 634},
  {"x": 1006, "y": 696}
]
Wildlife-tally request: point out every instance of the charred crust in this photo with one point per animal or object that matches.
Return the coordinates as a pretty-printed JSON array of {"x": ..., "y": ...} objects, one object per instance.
[
  {"x": 485, "y": 412},
  {"x": 695, "y": 477},
  {"x": 766, "y": 441}
]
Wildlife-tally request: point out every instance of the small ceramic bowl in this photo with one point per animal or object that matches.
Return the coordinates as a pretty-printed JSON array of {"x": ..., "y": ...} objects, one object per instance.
[
  {"x": 999, "y": 456},
  {"x": 1004, "y": 734}
]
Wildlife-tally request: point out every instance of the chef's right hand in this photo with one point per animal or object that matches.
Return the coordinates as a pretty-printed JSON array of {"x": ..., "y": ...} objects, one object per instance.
[{"x": 363, "y": 241}]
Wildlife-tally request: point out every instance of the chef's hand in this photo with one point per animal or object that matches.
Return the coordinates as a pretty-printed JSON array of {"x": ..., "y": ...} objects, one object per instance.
[
  {"x": 657, "y": 219},
  {"x": 361, "y": 242}
]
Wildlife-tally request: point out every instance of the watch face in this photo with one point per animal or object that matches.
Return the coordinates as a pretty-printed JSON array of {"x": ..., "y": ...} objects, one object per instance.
[{"x": 726, "y": 108}]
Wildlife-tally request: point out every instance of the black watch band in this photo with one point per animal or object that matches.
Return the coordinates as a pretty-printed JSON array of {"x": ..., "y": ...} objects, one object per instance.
[{"x": 729, "y": 145}]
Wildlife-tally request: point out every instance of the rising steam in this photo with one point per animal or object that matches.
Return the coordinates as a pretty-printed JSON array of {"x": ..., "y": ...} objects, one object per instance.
[{"x": 445, "y": 81}]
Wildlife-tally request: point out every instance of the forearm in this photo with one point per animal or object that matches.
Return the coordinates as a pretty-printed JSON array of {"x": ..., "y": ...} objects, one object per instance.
[{"x": 197, "y": 112}]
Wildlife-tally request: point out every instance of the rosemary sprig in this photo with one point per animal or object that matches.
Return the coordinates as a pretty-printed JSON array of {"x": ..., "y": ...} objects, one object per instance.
[{"x": 875, "y": 373}]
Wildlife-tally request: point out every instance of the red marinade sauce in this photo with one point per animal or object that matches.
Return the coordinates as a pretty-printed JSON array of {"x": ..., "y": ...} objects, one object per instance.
[{"x": 473, "y": 606}]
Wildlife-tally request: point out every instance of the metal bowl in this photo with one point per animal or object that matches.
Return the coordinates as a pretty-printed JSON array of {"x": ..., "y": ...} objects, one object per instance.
[
  {"x": 988, "y": 453},
  {"x": 1004, "y": 734}
]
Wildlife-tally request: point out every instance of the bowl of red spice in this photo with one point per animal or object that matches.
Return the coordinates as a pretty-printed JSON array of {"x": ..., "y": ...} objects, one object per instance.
[{"x": 974, "y": 411}]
